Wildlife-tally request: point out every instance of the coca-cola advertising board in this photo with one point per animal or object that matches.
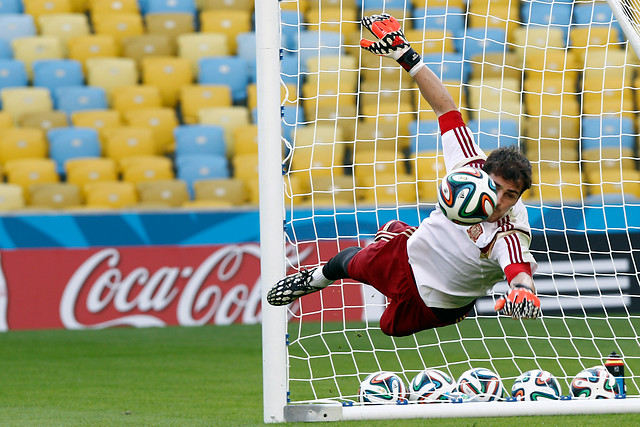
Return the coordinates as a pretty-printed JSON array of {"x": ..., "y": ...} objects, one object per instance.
[{"x": 142, "y": 287}]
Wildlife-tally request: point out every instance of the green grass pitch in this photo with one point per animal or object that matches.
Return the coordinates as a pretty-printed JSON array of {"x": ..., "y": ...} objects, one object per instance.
[{"x": 201, "y": 376}]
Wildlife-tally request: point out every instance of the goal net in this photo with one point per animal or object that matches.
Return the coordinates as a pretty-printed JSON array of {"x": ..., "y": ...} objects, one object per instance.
[{"x": 361, "y": 147}]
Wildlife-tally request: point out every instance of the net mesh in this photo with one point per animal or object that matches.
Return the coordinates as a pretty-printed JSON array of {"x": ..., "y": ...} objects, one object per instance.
[{"x": 361, "y": 147}]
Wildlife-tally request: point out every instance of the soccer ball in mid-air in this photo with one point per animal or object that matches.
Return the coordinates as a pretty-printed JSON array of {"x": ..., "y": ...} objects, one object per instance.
[
  {"x": 467, "y": 196},
  {"x": 536, "y": 385},
  {"x": 431, "y": 385},
  {"x": 481, "y": 384},
  {"x": 595, "y": 383},
  {"x": 382, "y": 387}
]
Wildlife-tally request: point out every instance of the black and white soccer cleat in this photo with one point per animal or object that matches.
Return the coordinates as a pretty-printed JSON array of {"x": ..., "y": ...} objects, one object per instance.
[{"x": 292, "y": 287}]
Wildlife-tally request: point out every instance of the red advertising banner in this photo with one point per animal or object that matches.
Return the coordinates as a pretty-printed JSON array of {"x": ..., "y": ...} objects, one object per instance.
[{"x": 147, "y": 286}]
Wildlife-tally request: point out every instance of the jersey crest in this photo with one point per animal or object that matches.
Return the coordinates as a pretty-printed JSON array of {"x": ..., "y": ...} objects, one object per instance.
[{"x": 474, "y": 232}]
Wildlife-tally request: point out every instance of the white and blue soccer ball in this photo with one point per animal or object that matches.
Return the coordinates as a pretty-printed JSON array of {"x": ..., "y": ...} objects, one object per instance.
[
  {"x": 382, "y": 387},
  {"x": 481, "y": 384},
  {"x": 431, "y": 385},
  {"x": 467, "y": 196},
  {"x": 536, "y": 384},
  {"x": 594, "y": 383}
]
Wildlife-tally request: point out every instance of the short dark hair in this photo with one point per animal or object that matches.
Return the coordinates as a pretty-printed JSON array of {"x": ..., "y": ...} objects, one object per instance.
[{"x": 511, "y": 164}]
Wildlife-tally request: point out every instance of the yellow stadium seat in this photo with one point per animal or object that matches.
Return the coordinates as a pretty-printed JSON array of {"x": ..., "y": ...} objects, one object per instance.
[
  {"x": 169, "y": 192},
  {"x": 44, "y": 120},
  {"x": 64, "y": 26},
  {"x": 195, "y": 46},
  {"x": 550, "y": 97},
  {"x": 336, "y": 17},
  {"x": 58, "y": 195},
  {"x": 430, "y": 41},
  {"x": 492, "y": 94},
  {"x": 399, "y": 115},
  {"x": 127, "y": 141},
  {"x": 138, "y": 169},
  {"x": 27, "y": 172},
  {"x": 607, "y": 158},
  {"x": 583, "y": 38},
  {"x": 169, "y": 74},
  {"x": 6, "y": 120},
  {"x": 552, "y": 128},
  {"x": 325, "y": 96},
  {"x": 610, "y": 67},
  {"x": 22, "y": 143},
  {"x": 376, "y": 162},
  {"x": 119, "y": 25},
  {"x": 100, "y": 120},
  {"x": 34, "y": 48},
  {"x": 228, "y": 22},
  {"x": 136, "y": 97},
  {"x": 384, "y": 72},
  {"x": 21, "y": 101},
  {"x": 194, "y": 97},
  {"x": 608, "y": 101},
  {"x": 139, "y": 47},
  {"x": 496, "y": 65},
  {"x": 105, "y": 7},
  {"x": 614, "y": 182},
  {"x": 388, "y": 190},
  {"x": 111, "y": 195},
  {"x": 496, "y": 14},
  {"x": 245, "y": 139},
  {"x": 170, "y": 24},
  {"x": 552, "y": 63},
  {"x": 228, "y": 118},
  {"x": 309, "y": 162},
  {"x": 230, "y": 190},
  {"x": 246, "y": 5},
  {"x": 371, "y": 92},
  {"x": 308, "y": 135},
  {"x": 372, "y": 135},
  {"x": 111, "y": 73},
  {"x": 339, "y": 71},
  {"x": 245, "y": 168},
  {"x": 11, "y": 197},
  {"x": 457, "y": 92},
  {"x": 332, "y": 191},
  {"x": 40, "y": 8},
  {"x": 428, "y": 167},
  {"x": 533, "y": 39},
  {"x": 82, "y": 48},
  {"x": 161, "y": 121},
  {"x": 555, "y": 185},
  {"x": 81, "y": 171}
]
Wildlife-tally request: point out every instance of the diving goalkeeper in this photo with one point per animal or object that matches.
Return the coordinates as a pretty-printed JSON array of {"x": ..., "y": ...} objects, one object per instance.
[{"x": 432, "y": 274}]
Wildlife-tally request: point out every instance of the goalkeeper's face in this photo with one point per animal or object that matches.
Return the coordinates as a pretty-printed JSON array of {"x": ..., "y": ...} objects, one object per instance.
[{"x": 508, "y": 194}]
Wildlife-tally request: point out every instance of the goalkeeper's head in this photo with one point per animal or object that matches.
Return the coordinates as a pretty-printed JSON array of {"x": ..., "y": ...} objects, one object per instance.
[{"x": 510, "y": 164}]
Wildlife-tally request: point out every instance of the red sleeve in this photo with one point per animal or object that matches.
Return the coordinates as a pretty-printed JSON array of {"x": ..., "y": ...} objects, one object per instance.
[
  {"x": 450, "y": 120},
  {"x": 512, "y": 270}
]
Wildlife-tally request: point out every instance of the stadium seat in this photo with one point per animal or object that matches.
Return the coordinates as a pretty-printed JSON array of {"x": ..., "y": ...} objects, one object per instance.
[
  {"x": 607, "y": 158},
  {"x": 608, "y": 68},
  {"x": 447, "y": 66},
  {"x": 196, "y": 46},
  {"x": 492, "y": 134},
  {"x": 170, "y": 6},
  {"x": 169, "y": 74},
  {"x": 57, "y": 73},
  {"x": 199, "y": 139},
  {"x": 547, "y": 14},
  {"x": 6, "y": 52},
  {"x": 605, "y": 132},
  {"x": 139, "y": 47},
  {"x": 11, "y": 197},
  {"x": 425, "y": 136},
  {"x": 64, "y": 26},
  {"x": 17, "y": 25},
  {"x": 40, "y": 8},
  {"x": 399, "y": 114},
  {"x": 556, "y": 186},
  {"x": 126, "y": 141},
  {"x": 170, "y": 193},
  {"x": 290, "y": 68},
  {"x": 22, "y": 143},
  {"x": 371, "y": 92},
  {"x": 161, "y": 121},
  {"x": 387, "y": 189},
  {"x": 31, "y": 49},
  {"x": 9, "y": 7},
  {"x": 314, "y": 43},
  {"x": 84, "y": 170},
  {"x": 495, "y": 14},
  {"x": 105, "y": 7},
  {"x": 585, "y": 39},
  {"x": 111, "y": 73},
  {"x": 227, "y": 117},
  {"x": 495, "y": 65},
  {"x": 119, "y": 25},
  {"x": 80, "y": 98},
  {"x": 374, "y": 163},
  {"x": 229, "y": 190},
  {"x": 592, "y": 14},
  {"x": 482, "y": 41},
  {"x": 44, "y": 120},
  {"x": 195, "y": 97},
  {"x": 197, "y": 167},
  {"x": 72, "y": 142},
  {"x": 333, "y": 17},
  {"x": 170, "y": 24},
  {"x": 325, "y": 96},
  {"x": 12, "y": 74},
  {"x": 338, "y": 71},
  {"x": 6, "y": 121},
  {"x": 290, "y": 21},
  {"x": 493, "y": 94},
  {"x": 19, "y": 101},
  {"x": 246, "y": 5},
  {"x": 245, "y": 139},
  {"x": 82, "y": 48},
  {"x": 136, "y": 97},
  {"x": 138, "y": 169},
  {"x": 614, "y": 184},
  {"x": 428, "y": 41},
  {"x": 552, "y": 63},
  {"x": 29, "y": 171},
  {"x": 550, "y": 97},
  {"x": 443, "y": 19},
  {"x": 227, "y": 22},
  {"x": 246, "y": 49},
  {"x": 245, "y": 168},
  {"x": 111, "y": 195},
  {"x": 534, "y": 38},
  {"x": 100, "y": 120},
  {"x": 55, "y": 195},
  {"x": 599, "y": 102}
]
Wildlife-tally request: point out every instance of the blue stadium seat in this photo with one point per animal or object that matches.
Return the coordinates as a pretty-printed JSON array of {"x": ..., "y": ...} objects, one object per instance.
[
  {"x": 587, "y": 14},
  {"x": 197, "y": 167},
  {"x": 314, "y": 43},
  {"x": 377, "y": 6},
  {"x": 199, "y": 139},
  {"x": 229, "y": 70},
  {"x": 491, "y": 134},
  {"x": 439, "y": 18},
  {"x": 168, "y": 6},
  {"x": 11, "y": 6},
  {"x": 291, "y": 117},
  {"x": 604, "y": 132},
  {"x": 542, "y": 14},
  {"x": 72, "y": 142},
  {"x": 12, "y": 73},
  {"x": 482, "y": 40},
  {"x": 57, "y": 73},
  {"x": 427, "y": 136},
  {"x": 290, "y": 69},
  {"x": 448, "y": 66},
  {"x": 78, "y": 98},
  {"x": 15, "y": 26},
  {"x": 290, "y": 21},
  {"x": 6, "y": 51},
  {"x": 247, "y": 50}
]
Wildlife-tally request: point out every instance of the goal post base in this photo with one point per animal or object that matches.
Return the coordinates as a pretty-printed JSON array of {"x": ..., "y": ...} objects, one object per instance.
[{"x": 337, "y": 412}]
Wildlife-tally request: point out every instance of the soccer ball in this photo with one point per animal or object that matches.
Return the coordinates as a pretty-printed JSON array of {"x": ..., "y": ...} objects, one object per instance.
[
  {"x": 595, "y": 383},
  {"x": 481, "y": 384},
  {"x": 536, "y": 385},
  {"x": 431, "y": 385},
  {"x": 382, "y": 387},
  {"x": 467, "y": 196}
]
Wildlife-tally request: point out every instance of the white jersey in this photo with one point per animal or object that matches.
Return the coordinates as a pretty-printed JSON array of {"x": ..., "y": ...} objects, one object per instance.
[{"x": 455, "y": 264}]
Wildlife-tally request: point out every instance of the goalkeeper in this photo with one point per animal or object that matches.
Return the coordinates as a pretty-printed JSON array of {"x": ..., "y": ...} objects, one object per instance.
[{"x": 432, "y": 274}]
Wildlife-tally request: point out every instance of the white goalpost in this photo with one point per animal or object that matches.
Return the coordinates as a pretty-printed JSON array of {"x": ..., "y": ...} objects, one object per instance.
[{"x": 346, "y": 144}]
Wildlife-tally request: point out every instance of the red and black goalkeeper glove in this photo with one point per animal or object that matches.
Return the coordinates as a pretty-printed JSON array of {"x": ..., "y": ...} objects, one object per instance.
[
  {"x": 391, "y": 42},
  {"x": 519, "y": 303}
]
